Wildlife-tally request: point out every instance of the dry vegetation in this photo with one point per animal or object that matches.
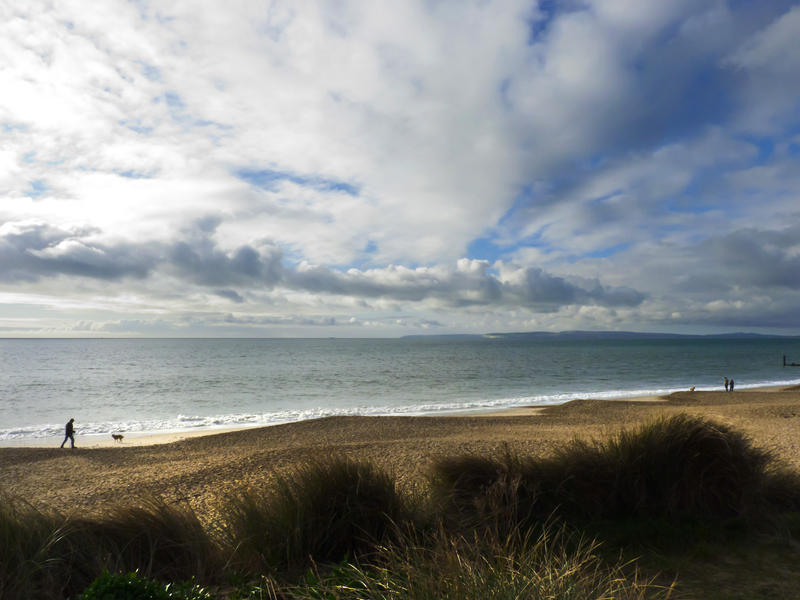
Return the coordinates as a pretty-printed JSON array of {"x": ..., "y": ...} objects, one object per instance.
[{"x": 675, "y": 492}]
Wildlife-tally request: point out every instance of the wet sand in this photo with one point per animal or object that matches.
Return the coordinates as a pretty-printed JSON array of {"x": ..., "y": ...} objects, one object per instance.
[{"x": 202, "y": 468}]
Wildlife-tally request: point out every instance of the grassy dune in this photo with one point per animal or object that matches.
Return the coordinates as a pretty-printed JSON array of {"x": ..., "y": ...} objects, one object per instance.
[{"x": 503, "y": 526}]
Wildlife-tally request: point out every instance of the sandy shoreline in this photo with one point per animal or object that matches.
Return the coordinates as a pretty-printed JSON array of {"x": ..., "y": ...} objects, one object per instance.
[
  {"x": 132, "y": 439},
  {"x": 203, "y": 468},
  {"x": 104, "y": 440}
]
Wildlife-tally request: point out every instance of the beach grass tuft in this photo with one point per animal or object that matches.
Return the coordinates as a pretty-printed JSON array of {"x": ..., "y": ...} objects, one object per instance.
[
  {"x": 554, "y": 565},
  {"x": 675, "y": 468},
  {"x": 324, "y": 510},
  {"x": 30, "y": 541},
  {"x": 48, "y": 555},
  {"x": 681, "y": 466},
  {"x": 154, "y": 538},
  {"x": 497, "y": 493}
]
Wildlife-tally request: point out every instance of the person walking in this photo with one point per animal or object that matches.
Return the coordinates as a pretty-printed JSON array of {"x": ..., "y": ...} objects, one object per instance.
[
  {"x": 69, "y": 434},
  {"x": 726, "y": 384},
  {"x": 731, "y": 384}
]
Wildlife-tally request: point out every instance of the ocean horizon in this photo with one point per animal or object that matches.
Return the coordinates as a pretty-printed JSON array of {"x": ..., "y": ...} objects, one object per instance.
[{"x": 170, "y": 385}]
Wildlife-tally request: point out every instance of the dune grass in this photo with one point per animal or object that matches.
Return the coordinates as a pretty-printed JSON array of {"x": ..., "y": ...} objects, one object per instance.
[
  {"x": 326, "y": 510},
  {"x": 673, "y": 469},
  {"x": 166, "y": 541},
  {"x": 555, "y": 565},
  {"x": 48, "y": 555},
  {"x": 504, "y": 526},
  {"x": 29, "y": 540}
]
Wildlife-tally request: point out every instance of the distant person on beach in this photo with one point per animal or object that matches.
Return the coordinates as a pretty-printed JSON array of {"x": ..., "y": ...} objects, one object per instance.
[
  {"x": 731, "y": 385},
  {"x": 726, "y": 384},
  {"x": 69, "y": 434}
]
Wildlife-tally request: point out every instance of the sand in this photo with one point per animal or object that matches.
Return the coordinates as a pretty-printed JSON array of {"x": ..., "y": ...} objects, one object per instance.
[{"x": 201, "y": 469}]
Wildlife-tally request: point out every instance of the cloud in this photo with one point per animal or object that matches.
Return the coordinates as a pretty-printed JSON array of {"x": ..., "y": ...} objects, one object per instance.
[
  {"x": 769, "y": 63},
  {"x": 753, "y": 258},
  {"x": 475, "y": 164},
  {"x": 231, "y": 295},
  {"x": 209, "y": 266},
  {"x": 36, "y": 251},
  {"x": 30, "y": 250}
]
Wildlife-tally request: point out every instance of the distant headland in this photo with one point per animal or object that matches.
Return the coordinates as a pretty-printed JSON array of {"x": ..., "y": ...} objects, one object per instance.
[{"x": 593, "y": 335}]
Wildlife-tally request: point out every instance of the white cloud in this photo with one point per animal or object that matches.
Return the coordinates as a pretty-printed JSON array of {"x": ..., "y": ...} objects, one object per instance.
[
  {"x": 770, "y": 65},
  {"x": 594, "y": 143}
]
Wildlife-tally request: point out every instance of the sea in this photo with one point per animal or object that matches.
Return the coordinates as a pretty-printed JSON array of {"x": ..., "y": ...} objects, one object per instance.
[{"x": 176, "y": 385}]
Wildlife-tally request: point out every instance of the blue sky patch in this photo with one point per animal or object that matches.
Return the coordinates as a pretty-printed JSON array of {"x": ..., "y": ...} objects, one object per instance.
[
  {"x": 174, "y": 100},
  {"x": 269, "y": 179},
  {"x": 38, "y": 187},
  {"x": 136, "y": 126},
  {"x": 609, "y": 251},
  {"x": 484, "y": 248},
  {"x": 151, "y": 72},
  {"x": 131, "y": 174},
  {"x": 538, "y": 27}
]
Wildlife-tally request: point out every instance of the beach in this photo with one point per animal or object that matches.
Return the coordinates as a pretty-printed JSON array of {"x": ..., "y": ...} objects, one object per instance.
[{"x": 202, "y": 469}]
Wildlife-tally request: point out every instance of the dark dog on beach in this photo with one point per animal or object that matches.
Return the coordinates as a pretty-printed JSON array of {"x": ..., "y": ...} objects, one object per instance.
[{"x": 117, "y": 437}]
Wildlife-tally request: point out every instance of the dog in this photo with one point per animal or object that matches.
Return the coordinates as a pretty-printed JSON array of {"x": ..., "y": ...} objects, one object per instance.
[
  {"x": 691, "y": 389},
  {"x": 117, "y": 437}
]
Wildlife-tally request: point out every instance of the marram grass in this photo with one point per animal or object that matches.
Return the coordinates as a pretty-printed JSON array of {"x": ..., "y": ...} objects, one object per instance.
[
  {"x": 552, "y": 566},
  {"x": 670, "y": 469},
  {"x": 324, "y": 511}
]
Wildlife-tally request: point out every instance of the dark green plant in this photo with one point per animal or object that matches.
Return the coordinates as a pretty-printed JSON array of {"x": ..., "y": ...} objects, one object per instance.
[{"x": 131, "y": 586}]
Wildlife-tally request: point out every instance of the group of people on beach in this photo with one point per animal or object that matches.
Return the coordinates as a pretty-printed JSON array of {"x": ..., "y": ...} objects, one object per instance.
[{"x": 728, "y": 385}]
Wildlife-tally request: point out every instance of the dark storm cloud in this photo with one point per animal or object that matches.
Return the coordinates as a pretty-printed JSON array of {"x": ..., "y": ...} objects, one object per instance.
[
  {"x": 546, "y": 291},
  {"x": 29, "y": 252},
  {"x": 752, "y": 260},
  {"x": 751, "y": 257},
  {"x": 399, "y": 283},
  {"x": 470, "y": 284},
  {"x": 198, "y": 258},
  {"x": 539, "y": 287},
  {"x": 207, "y": 265},
  {"x": 745, "y": 279},
  {"x": 776, "y": 311},
  {"x": 231, "y": 295}
]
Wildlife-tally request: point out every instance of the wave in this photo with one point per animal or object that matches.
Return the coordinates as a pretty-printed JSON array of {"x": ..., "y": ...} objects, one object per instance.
[{"x": 182, "y": 423}]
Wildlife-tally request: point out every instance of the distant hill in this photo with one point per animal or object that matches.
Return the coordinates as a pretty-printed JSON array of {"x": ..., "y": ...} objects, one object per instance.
[{"x": 592, "y": 335}]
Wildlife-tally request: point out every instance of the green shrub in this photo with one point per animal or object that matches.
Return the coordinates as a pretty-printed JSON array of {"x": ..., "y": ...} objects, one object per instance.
[
  {"x": 131, "y": 586},
  {"x": 324, "y": 511}
]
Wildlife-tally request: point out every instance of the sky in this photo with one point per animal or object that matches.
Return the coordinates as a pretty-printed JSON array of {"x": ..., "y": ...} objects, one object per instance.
[{"x": 362, "y": 169}]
